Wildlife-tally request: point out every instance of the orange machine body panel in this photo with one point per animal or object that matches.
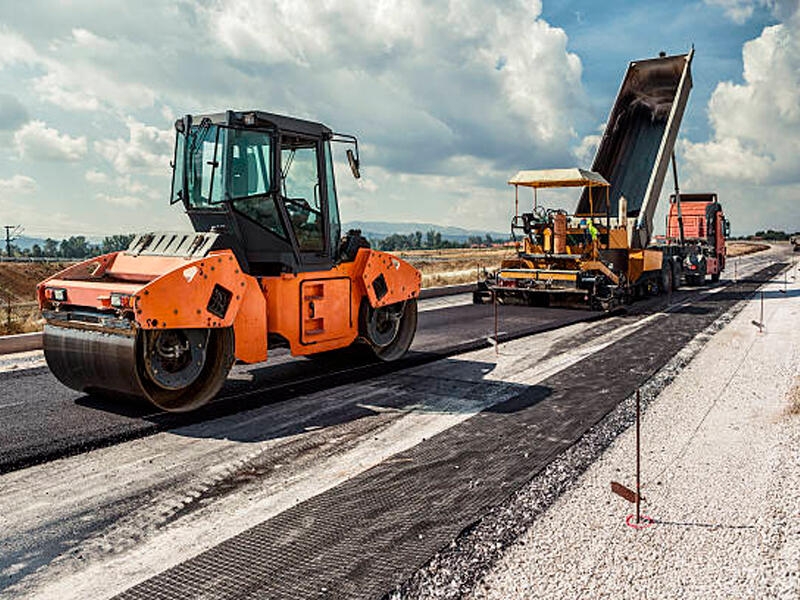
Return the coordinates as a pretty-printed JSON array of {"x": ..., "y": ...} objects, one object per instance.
[
  {"x": 318, "y": 311},
  {"x": 313, "y": 311}
]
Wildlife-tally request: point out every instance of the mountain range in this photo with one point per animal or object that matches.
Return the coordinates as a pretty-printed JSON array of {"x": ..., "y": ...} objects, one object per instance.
[
  {"x": 373, "y": 230},
  {"x": 377, "y": 230}
]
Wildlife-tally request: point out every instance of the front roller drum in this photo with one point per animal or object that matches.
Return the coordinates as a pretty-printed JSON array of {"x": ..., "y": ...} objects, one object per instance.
[{"x": 176, "y": 369}]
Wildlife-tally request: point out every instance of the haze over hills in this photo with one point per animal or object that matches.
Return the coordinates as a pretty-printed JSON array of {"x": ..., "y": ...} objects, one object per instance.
[
  {"x": 24, "y": 242},
  {"x": 377, "y": 230},
  {"x": 373, "y": 230}
]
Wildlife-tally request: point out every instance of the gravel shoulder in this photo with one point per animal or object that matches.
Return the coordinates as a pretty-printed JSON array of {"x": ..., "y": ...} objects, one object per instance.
[{"x": 720, "y": 474}]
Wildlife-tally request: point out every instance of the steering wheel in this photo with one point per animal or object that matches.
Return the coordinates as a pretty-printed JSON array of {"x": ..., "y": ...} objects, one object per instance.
[{"x": 541, "y": 214}]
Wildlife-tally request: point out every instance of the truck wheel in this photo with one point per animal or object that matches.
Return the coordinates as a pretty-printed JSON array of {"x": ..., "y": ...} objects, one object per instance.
[
  {"x": 676, "y": 275},
  {"x": 715, "y": 278},
  {"x": 389, "y": 330},
  {"x": 666, "y": 279}
]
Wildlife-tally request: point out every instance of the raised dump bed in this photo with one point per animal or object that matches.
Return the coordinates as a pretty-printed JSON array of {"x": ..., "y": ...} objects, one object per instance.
[{"x": 639, "y": 138}]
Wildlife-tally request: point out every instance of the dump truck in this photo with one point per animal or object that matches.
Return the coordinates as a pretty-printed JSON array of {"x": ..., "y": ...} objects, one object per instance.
[
  {"x": 599, "y": 255},
  {"x": 265, "y": 266},
  {"x": 695, "y": 240}
]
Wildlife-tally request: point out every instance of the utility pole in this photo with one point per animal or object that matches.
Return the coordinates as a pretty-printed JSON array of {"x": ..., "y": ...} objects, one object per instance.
[{"x": 12, "y": 231}]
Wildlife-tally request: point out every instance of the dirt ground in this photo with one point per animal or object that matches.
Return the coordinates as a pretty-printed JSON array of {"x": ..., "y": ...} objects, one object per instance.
[
  {"x": 742, "y": 248},
  {"x": 454, "y": 265},
  {"x": 18, "y": 310},
  {"x": 18, "y": 280}
]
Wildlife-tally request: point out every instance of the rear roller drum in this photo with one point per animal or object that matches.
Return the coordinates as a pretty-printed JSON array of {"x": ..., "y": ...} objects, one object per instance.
[{"x": 389, "y": 330}]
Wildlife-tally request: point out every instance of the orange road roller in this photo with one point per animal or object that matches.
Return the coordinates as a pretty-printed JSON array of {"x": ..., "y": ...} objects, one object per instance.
[{"x": 265, "y": 266}]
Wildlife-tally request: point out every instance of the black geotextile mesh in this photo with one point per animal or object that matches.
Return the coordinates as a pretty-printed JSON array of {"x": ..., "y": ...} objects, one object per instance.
[{"x": 370, "y": 533}]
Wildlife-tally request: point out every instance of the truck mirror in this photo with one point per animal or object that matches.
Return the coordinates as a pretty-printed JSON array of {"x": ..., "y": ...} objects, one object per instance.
[{"x": 351, "y": 158}]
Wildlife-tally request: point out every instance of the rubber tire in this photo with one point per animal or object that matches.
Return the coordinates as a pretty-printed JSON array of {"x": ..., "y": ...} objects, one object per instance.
[
  {"x": 676, "y": 275},
  {"x": 219, "y": 360},
  {"x": 665, "y": 284},
  {"x": 715, "y": 278},
  {"x": 395, "y": 349}
]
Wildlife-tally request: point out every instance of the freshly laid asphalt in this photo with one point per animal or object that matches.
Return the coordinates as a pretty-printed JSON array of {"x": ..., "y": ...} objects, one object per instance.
[
  {"x": 43, "y": 420},
  {"x": 364, "y": 537}
]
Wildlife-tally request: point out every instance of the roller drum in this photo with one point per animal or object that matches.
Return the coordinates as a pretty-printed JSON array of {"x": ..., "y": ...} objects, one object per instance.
[
  {"x": 86, "y": 360},
  {"x": 176, "y": 370}
]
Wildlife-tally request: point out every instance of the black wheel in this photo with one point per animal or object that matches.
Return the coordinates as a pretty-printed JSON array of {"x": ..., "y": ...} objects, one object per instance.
[
  {"x": 676, "y": 275},
  {"x": 182, "y": 369},
  {"x": 666, "y": 282},
  {"x": 715, "y": 278},
  {"x": 389, "y": 330}
]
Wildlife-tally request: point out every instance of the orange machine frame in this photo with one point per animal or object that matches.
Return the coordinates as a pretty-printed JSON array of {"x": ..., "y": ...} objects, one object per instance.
[{"x": 314, "y": 311}]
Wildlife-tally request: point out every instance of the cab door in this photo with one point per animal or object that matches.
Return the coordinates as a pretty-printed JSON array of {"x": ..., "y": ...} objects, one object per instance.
[{"x": 325, "y": 310}]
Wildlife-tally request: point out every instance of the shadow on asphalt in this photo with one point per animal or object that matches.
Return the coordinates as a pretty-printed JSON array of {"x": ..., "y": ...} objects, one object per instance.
[{"x": 466, "y": 390}]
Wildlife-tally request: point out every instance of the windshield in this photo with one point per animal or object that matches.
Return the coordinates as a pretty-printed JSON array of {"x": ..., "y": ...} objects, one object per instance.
[
  {"x": 202, "y": 178},
  {"x": 219, "y": 164}
]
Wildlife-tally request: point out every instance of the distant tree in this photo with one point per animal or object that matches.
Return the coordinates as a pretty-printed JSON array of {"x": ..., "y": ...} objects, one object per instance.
[
  {"x": 771, "y": 235},
  {"x": 36, "y": 251},
  {"x": 430, "y": 239},
  {"x": 115, "y": 243},
  {"x": 417, "y": 239},
  {"x": 50, "y": 247},
  {"x": 74, "y": 247}
]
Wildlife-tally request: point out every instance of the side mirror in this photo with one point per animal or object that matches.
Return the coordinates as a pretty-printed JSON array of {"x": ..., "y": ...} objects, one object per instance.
[{"x": 351, "y": 158}]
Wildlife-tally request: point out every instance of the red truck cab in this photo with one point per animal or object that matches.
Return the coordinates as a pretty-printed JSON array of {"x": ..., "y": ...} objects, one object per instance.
[{"x": 705, "y": 231}]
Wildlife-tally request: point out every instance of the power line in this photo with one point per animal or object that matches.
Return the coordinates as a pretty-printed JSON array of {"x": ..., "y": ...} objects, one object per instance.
[{"x": 12, "y": 232}]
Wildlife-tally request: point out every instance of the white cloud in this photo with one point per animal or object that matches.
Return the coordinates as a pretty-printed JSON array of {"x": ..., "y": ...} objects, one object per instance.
[
  {"x": 94, "y": 176},
  {"x": 36, "y": 141},
  {"x": 754, "y": 152},
  {"x": 87, "y": 39},
  {"x": 427, "y": 80},
  {"x": 586, "y": 150},
  {"x": 15, "y": 49},
  {"x": 739, "y": 11},
  {"x": 18, "y": 184},
  {"x": 79, "y": 71},
  {"x": 147, "y": 149},
  {"x": 756, "y": 124},
  {"x": 124, "y": 200},
  {"x": 83, "y": 85}
]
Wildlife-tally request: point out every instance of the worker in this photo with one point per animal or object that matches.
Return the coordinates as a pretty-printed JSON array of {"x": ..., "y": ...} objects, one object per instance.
[
  {"x": 592, "y": 231},
  {"x": 586, "y": 237}
]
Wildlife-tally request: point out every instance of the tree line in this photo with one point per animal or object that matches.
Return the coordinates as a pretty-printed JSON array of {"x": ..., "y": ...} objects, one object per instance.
[
  {"x": 76, "y": 246},
  {"x": 771, "y": 235},
  {"x": 431, "y": 240}
]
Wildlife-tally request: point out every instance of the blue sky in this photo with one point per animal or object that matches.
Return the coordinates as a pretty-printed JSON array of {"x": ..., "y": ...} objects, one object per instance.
[{"x": 448, "y": 99}]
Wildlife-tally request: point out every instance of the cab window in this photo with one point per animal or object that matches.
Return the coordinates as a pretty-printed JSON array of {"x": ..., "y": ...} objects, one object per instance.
[
  {"x": 301, "y": 193},
  {"x": 250, "y": 175}
]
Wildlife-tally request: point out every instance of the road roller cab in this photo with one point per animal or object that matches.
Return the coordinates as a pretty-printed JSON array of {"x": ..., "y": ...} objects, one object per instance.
[{"x": 266, "y": 263}]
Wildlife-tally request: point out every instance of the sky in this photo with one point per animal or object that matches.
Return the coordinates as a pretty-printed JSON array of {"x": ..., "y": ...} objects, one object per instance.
[{"x": 448, "y": 100}]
